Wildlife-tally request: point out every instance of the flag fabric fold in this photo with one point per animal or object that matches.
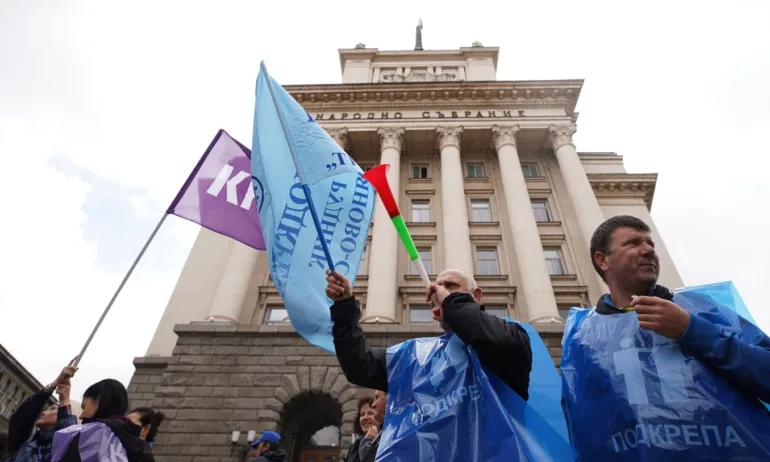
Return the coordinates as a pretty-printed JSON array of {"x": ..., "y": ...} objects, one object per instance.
[
  {"x": 343, "y": 201},
  {"x": 218, "y": 194}
]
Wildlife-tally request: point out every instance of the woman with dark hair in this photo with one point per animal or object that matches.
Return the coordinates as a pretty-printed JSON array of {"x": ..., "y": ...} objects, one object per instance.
[
  {"x": 105, "y": 403},
  {"x": 360, "y": 427},
  {"x": 149, "y": 420}
]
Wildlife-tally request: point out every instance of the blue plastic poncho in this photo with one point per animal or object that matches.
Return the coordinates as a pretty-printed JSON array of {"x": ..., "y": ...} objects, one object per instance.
[
  {"x": 633, "y": 395},
  {"x": 444, "y": 407}
]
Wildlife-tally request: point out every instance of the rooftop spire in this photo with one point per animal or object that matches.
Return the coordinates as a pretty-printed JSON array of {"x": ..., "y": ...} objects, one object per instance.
[{"x": 418, "y": 38}]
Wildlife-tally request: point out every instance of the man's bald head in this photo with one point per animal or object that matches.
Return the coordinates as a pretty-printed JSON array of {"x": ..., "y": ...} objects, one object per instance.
[{"x": 455, "y": 280}]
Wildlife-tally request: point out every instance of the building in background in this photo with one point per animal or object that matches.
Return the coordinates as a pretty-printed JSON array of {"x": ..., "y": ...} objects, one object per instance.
[
  {"x": 490, "y": 182},
  {"x": 16, "y": 385}
]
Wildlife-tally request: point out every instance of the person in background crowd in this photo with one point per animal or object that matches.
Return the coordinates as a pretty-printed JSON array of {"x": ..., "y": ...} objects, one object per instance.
[
  {"x": 3, "y": 442},
  {"x": 502, "y": 346},
  {"x": 266, "y": 448},
  {"x": 361, "y": 427},
  {"x": 31, "y": 429},
  {"x": 367, "y": 450},
  {"x": 149, "y": 419},
  {"x": 107, "y": 402}
]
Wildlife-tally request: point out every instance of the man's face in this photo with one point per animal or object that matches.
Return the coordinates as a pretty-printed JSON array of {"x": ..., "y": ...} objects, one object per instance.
[
  {"x": 378, "y": 404},
  {"x": 631, "y": 260},
  {"x": 453, "y": 281}
]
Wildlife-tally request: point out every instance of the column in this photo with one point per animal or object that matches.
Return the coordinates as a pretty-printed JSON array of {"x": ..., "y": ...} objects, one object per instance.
[
  {"x": 234, "y": 286},
  {"x": 534, "y": 281},
  {"x": 381, "y": 300},
  {"x": 454, "y": 207},
  {"x": 587, "y": 209}
]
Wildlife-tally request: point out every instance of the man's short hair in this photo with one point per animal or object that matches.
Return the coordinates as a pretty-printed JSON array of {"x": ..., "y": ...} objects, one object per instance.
[{"x": 600, "y": 241}]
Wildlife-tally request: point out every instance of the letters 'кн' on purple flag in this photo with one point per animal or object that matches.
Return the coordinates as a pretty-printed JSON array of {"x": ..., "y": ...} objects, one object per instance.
[{"x": 218, "y": 194}]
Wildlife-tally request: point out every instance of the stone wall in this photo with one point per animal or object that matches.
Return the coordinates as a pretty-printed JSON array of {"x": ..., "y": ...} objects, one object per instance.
[{"x": 225, "y": 378}]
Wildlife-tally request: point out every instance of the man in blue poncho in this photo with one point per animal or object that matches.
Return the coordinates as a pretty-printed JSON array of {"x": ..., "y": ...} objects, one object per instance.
[
  {"x": 503, "y": 347},
  {"x": 668, "y": 379}
]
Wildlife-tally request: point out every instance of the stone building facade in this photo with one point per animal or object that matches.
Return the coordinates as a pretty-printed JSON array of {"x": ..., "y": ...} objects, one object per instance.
[
  {"x": 16, "y": 385},
  {"x": 489, "y": 181}
]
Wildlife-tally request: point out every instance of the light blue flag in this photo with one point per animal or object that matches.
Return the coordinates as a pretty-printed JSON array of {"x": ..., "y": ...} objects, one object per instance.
[{"x": 306, "y": 186}]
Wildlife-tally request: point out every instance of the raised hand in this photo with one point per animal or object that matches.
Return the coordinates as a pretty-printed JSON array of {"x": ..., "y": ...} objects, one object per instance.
[{"x": 338, "y": 287}]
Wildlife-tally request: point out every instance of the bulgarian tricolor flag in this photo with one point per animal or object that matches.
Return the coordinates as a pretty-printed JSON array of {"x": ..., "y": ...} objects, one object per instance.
[{"x": 377, "y": 176}]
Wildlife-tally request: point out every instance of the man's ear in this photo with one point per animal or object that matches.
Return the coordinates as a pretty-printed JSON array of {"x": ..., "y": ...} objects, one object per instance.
[
  {"x": 477, "y": 294},
  {"x": 601, "y": 261}
]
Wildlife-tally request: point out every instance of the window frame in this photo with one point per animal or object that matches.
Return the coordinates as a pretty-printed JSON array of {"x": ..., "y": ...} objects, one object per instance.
[
  {"x": 531, "y": 164},
  {"x": 544, "y": 202},
  {"x": 414, "y": 165},
  {"x": 482, "y": 248},
  {"x": 426, "y": 202},
  {"x": 481, "y": 165},
  {"x": 413, "y": 270},
  {"x": 268, "y": 309},
  {"x": 562, "y": 260},
  {"x": 424, "y": 307},
  {"x": 489, "y": 209}
]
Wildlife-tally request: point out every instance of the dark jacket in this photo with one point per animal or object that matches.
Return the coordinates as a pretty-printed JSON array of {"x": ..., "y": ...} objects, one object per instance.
[
  {"x": 26, "y": 443},
  {"x": 503, "y": 347},
  {"x": 271, "y": 456},
  {"x": 363, "y": 449},
  {"x": 128, "y": 434},
  {"x": 744, "y": 362}
]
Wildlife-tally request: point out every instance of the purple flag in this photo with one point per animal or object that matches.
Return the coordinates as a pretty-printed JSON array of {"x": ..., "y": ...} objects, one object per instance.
[
  {"x": 219, "y": 195},
  {"x": 97, "y": 443}
]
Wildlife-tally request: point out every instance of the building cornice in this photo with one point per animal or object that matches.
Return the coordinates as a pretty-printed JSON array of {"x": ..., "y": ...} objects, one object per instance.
[
  {"x": 546, "y": 93},
  {"x": 624, "y": 185},
  {"x": 13, "y": 364}
]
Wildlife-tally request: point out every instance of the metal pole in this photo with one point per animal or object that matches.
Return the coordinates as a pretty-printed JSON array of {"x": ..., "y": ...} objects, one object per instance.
[{"x": 120, "y": 287}]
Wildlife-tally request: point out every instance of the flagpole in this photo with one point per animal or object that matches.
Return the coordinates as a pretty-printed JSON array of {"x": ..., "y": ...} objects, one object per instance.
[
  {"x": 297, "y": 166},
  {"x": 120, "y": 287}
]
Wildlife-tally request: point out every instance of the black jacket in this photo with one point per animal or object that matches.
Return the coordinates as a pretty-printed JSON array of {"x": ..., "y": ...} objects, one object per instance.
[
  {"x": 271, "y": 456},
  {"x": 602, "y": 307},
  {"x": 502, "y": 347},
  {"x": 23, "y": 420}
]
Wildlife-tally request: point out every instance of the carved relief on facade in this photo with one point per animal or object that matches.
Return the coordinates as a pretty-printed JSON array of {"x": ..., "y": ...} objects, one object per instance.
[
  {"x": 504, "y": 134},
  {"x": 449, "y": 136},
  {"x": 559, "y": 135},
  {"x": 391, "y": 138}
]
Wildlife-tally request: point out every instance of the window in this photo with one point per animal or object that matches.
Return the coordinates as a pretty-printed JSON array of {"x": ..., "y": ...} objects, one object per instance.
[
  {"x": 476, "y": 171},
  {"x": 366, "y": 167},
  {"x": 276, "y": 315},
  {"x": 554, "y": 261},
  {"x": 419, "y": 171},
  {"x": 480, "y": 211},
  {"x": 420, "y": 211},
  {"x": 487, "y": 261},
  {"x": 564, "y": 310},
  {"x": 540, "y": 208},
  {"x": 427, "y": 260},
  {"x": 530, "y": 170},
  {"x": 362, "y": 265},
  {"x": 500, "y": 311},
  {"x": 420, "y": 314}
]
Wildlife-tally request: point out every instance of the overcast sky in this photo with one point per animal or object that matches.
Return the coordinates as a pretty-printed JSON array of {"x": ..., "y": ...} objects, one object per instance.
[{"x": 105, "y": 107}]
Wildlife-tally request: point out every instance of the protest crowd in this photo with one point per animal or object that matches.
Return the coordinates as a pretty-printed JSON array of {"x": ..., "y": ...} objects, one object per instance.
[
  {"x": 716, "y": 413},
  {"x": 648, "y": 374}
]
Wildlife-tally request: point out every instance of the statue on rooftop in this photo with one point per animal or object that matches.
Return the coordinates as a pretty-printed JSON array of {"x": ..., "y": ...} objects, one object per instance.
[{"x": 418, "y": 39}]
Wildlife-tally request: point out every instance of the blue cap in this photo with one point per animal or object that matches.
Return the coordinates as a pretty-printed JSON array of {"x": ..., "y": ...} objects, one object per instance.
[{"x": 267, "y": 437}]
